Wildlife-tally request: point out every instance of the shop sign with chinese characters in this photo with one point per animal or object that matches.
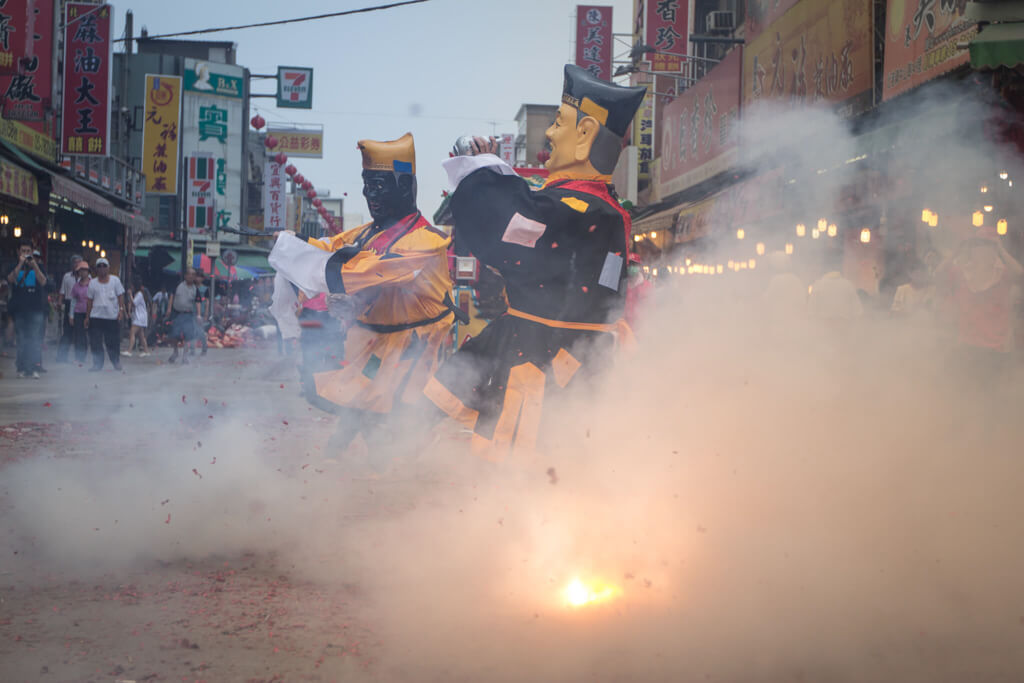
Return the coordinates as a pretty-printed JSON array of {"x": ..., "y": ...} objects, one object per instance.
[
  {"x": 26, "y": 47},
  {"x": 160, "y": 133},
  {"x": 666, "y": 29},
  {"x": 643, "y": 135},
  {"x": 594, "y": 40},
  {"x": 294, "y": 87},
  {"x": 761, "y": 14},
  {"x": 507, "y": 148},
  {"x": 274, "y": 199},
  {"x": 921, "y": 42},
  {"x": 698, "y": 128},
  {"x": 18, "y": 183},
  {"x": 299, "y": 143},
  {"x": 815, "y": 53},
  {"x": 87, "y": 64},
  {"x": 28, "y": 139},
  {"x": 212, "y": 123}
]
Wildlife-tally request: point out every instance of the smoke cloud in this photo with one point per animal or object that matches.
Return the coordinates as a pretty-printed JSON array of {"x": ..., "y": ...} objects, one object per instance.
[{"x": 772, "y": 496}]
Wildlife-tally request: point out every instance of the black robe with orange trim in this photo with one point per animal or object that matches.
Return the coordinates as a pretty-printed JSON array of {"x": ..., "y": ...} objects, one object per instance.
[
  {"x": 562, "y": 253},
  {"x": 395, "y": 346}
]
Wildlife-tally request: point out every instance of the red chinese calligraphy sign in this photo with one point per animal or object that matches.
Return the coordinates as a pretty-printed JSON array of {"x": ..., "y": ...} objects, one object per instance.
[
  {"x": 26, "y": 47},
  {"x": 87, "y": 67},
  {"x": 594, "y": 40},
  {"x": 698, "y": 128},
  {"x": 274, "y": 197},
  {"x": 667, "y": 28}
]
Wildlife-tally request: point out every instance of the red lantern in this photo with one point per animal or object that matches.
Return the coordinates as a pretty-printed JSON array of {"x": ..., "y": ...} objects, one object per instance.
[
  {"x": 270, "y": 141},
  {"x": 307, "y": 185},
  {"x": 543, "y": 156},
  {"x": 299, "y": 179},
  {"x": 311, "y": 194},
  {"x": 257, "y": 122},
  {"x": 317, "y": 203},
  {"x": 290, "y": 170},
  {"x": 281, "y": 158}
]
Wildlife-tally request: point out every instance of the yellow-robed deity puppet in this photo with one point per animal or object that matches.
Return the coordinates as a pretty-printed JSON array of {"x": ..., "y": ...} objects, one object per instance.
[
  {"x": 562, "y": 251},
  {"x": 394, "y": 271}
]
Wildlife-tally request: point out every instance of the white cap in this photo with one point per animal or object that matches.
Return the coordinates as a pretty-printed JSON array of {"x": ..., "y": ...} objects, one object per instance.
[{"x": 102, "y": 262}]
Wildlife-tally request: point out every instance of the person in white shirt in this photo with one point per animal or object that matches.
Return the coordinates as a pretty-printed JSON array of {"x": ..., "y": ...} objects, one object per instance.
[
  {"x": 103, "y": 316},
  {"x": 68, "y": 326},
  {"x": 140, "y": 321}
]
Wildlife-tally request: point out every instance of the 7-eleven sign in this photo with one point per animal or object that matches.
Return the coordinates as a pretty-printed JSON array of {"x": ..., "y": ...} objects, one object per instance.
[
  {"x": 200, "y": 189},
  {"x": 294, "y": 87}
]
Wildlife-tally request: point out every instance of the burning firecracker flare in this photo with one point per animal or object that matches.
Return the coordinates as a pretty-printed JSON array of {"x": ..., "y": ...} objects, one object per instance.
[{"x": 579, "y": 594}]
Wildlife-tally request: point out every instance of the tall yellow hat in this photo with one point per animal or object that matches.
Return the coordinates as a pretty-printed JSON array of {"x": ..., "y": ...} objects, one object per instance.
[{"x": 398, "y": 155}]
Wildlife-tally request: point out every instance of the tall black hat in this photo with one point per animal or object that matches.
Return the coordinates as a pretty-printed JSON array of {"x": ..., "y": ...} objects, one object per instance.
[{"x": 612, "y": 105}]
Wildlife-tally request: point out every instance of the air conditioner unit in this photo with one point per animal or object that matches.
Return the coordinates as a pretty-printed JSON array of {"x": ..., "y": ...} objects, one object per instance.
[{"x": 720, "y": 21}]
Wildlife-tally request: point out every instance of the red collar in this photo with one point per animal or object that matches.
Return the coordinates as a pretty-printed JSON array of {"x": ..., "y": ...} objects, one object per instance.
[
  {"x": 600, "y": 190},
  {"x": 382, "y": 242}
]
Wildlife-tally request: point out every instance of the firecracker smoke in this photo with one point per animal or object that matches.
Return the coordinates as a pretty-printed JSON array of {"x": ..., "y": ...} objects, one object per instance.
[{"x": 776, "y": 497}]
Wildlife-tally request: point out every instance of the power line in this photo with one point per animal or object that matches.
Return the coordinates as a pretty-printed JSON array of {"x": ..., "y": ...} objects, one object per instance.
[{"x": 362, "y": 10}]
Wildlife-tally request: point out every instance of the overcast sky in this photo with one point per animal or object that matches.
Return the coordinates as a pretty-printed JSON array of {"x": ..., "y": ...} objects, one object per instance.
[{"x": 440, "y": 69}]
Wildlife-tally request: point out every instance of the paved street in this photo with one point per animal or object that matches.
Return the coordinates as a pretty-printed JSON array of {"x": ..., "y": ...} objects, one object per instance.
[{"x": 106, "y": 578}]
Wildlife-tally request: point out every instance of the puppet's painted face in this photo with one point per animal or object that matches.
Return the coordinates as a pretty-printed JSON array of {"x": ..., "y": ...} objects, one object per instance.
[
  {"x": 388, "y": 196},
  {"x": 562, "y": 137}
]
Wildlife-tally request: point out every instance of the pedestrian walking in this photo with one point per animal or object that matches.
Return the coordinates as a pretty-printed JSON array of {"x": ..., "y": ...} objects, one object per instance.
[
  {"x": 28, "y": 308},
  {"x": 80, "y": 306},
  {"x": 105, "y": 310},
  {"x": 68, "y": 319},
  {"x": 205, "y": 317},
  {"x": 184, "y": 309},
  {"x": 140, "y": 321}
]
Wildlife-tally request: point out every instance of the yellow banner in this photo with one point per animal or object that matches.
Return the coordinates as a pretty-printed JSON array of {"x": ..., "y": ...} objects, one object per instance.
[
  {"x": 160, "y": 133},
  {"x": 32, "y": 141},
  {"x": 18, "y": 183},
  {"x": 299, "y": 143}
]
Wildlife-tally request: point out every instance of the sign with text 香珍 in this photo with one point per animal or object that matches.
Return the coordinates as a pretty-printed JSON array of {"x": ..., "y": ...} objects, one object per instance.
[
  {"x": 160, "y": 133},
  {"x": 667, "y": 29},
  {"x": 87, "y": 68}
]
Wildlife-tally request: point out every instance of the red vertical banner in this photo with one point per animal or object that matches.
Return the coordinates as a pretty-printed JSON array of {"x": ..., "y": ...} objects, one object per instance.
[
  {"x": 26, "y": 47},
  {"x": 594, "y": 40},
  {"x": 87, "y": 67},
  {"x": 667, "y": 29}
]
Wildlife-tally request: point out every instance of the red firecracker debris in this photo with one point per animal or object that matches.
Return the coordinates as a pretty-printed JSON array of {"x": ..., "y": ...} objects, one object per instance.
[
  {"x": 168, "y": 520},
  {"x": 183, "y": 398},
  {"x": 284, "y": 422},
  {"x": 196, "y": 472},
  {"x": 47, "y": 405}
]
